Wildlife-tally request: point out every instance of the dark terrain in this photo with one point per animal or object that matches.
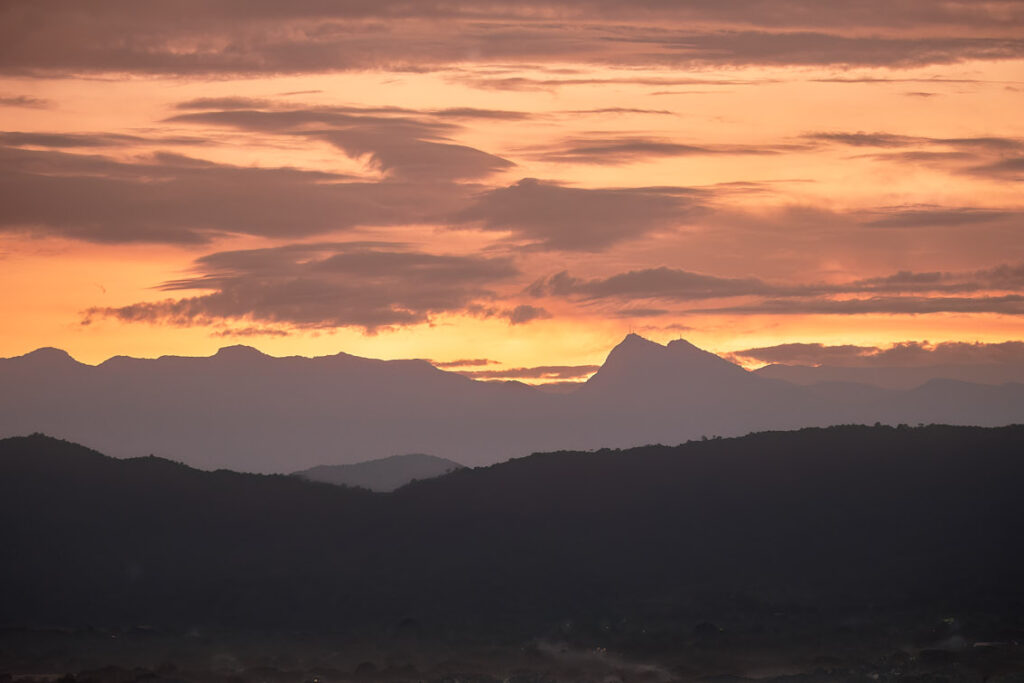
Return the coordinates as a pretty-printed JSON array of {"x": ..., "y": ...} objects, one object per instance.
[{"x": 845, "y": 553}]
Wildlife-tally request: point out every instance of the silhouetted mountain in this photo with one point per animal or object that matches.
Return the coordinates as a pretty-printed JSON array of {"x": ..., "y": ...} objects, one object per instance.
[
  {"x": 847, "y": 520},
  {"x": 894, "y": 377},
  {"x": 679, "y": 372},
  {"x": 251, "y": 412},
  {"x": 382, "y": 475}
]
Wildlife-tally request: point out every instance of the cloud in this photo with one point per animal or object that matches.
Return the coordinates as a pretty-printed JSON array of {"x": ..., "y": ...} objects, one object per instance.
[
  {"x": 801, "y": 354},
  {"x": 223, "y": 37},
  {"x": 517, "y": 315},
  {"x": 415, "y": 158},
  {"x": 604, "y": 111},
  {"x": 575, "y": 219},
  {"x": 24, "y": 101},
  {"x": 1012, "y": 304},
  {"x": 474, "y": 113},
  {"x": 1005, "y": 169},
  {"x": 861, "y": 139},
  {"x": 904, "y": 292},
  {"x": 170, "y": 198},
  {"x": 885, "y": 80},
  {"x": 639, "y": 313},
  {"x": 525, "y": 313},
  {"x": 1005, "y": 277},
  {"x": 935, "y": 216},
  {"x": 325, "y": 285},
  {"x": 927, "y": 159},
  {"x": 250, "y": 331},
  {"x": 627, "y": 149},
  {"x": 99, "y": 140},
  {"x": 902, "y": 354},
  {"x": 879, "y": 139},
  {"x": 650, "y": 283},
  {"x": 545, "y": 372},
  {"x": 401, "y": 146},
  {"x": 464, "y": 363},
  {"x": 181, "y": 200},
  {"x": 994, "y": 157},
  {"x": 529, "y": 83},
  {"x": 817, "y": 48},
  {"x": 342, "y": 114}
]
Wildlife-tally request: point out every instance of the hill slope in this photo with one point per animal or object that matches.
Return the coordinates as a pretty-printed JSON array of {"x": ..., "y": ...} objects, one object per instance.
[
  {"x": 382, "y": 475},
  {"x": 833, "y": 519}
]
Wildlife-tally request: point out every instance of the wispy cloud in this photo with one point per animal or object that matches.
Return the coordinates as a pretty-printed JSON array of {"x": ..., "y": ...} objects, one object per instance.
[
  {"x": 177, "y": 199},
  {"x": 991, "y": 290},
  {"x": 624, "y": 149},
  {"x": 902, "y": 354},
  {"x": 541, "y": 372},
  {"x": 222, "y": 37},
  {"x": 354, "y": 284},
  {"x": 24, "y": 101},
  {"x": 552, "y": 216},
  {"x": 464, "y": 363},
  {"x": 399, "y": 145},
  {"x": 1012, "y": 304}
]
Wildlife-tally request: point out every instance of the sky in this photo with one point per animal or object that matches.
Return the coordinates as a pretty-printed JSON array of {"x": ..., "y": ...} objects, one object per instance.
[{"x": 508, "y": 188}]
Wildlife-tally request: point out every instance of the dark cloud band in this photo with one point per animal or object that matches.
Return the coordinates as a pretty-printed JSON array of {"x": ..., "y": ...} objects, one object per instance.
[{"x": 323, "y": 285}]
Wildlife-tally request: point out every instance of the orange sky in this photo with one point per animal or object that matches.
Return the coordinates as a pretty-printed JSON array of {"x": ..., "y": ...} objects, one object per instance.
[{"x": 524, "y": 184}]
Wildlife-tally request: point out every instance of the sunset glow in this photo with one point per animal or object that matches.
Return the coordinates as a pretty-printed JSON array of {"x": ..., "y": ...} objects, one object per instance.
[{"x": 523, "y": 184}]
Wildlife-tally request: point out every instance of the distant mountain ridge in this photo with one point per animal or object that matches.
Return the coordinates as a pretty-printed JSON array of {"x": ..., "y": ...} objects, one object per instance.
[
  {"x": 244, "y": 410},
  {"x": 677, "y": 370},
  {"x": 384, "y": 474}
]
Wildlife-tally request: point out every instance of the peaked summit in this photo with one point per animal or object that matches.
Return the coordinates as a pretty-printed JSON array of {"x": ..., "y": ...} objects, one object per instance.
[{"x": 679, "y": 369}]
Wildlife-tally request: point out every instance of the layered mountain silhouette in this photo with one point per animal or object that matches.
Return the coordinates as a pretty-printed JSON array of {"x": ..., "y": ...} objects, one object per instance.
[
  {"x": 868, "y": 521},
  {"x": 243, "y": 410},
  {"x": 384, "y": 474},
  {"x": 678, "y": 372}
]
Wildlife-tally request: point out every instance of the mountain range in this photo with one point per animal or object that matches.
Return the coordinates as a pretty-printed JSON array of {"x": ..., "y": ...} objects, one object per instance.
[{"x": 243, "y": 410}]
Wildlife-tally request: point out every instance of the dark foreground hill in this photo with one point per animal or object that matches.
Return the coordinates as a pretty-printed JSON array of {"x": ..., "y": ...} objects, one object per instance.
[{"x": 845, "y": 520}]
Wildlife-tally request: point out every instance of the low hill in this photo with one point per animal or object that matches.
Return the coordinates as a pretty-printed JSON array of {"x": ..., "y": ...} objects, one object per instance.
[{"x": 384, "y": 474}]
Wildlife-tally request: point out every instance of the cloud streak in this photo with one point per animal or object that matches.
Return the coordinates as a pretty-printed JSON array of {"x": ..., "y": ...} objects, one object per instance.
[
  {"x": 175, "y": 199},
  {"x": 995, "y": 290},
  {"x": 58, "y": 37},
  {"x": 463, "y": 363},
  {"x": 355, "y": 284},
  {"x": 902, "y": 354},
  {"x": 400, "y": 146},
  {"x": 541, "y": 372},
  {"x": 629, "y": 149},
  {"x": 24, "y": 101},
  {"x": 552, "y": 216}
]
